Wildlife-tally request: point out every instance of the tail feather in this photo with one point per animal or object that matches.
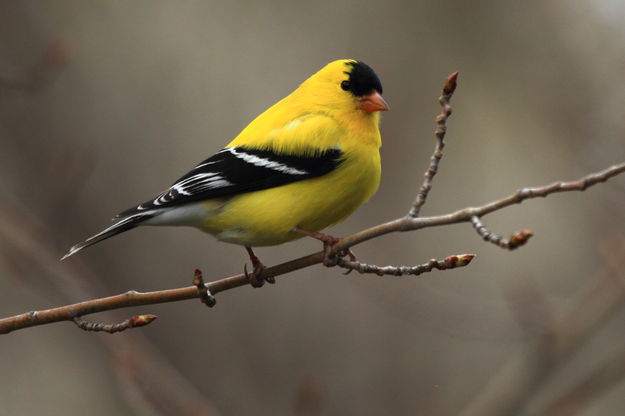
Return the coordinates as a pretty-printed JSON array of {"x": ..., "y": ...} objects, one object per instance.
[{"x": 126, "y": 224}]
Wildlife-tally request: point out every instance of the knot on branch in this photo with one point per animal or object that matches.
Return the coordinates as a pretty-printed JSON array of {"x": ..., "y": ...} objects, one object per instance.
[{"x": 205, "y": 295}]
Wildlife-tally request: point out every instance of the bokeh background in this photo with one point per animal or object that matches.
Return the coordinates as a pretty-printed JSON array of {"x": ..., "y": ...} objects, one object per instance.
[{"x": 104, "y": 104}]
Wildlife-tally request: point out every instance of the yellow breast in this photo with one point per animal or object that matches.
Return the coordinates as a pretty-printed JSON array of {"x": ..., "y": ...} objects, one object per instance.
[{"x": 268, "y": 217}]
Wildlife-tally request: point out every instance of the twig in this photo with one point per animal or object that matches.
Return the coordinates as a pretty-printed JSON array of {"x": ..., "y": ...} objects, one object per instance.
[
  {"x": 441, "y": 128},
  {"x": 464, "y": 215},
  {"x": 450, "y": 262},
  {"x": 514, "y": 241},
  {"x": 132, "y": 322}
]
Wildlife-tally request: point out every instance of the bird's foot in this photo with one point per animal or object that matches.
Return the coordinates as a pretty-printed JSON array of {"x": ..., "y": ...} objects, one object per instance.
[
  {"x": 330, "y": 259},
  {"x": 255, "y": 277}
]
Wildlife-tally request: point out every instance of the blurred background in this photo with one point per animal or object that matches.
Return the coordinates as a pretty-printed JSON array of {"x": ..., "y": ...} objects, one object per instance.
[{"x": 104, "y": 104}]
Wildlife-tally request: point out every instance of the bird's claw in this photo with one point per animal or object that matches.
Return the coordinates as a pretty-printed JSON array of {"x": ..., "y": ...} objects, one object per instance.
[
  {"x": 255, "y": 277},
  {"x": 330, "y": 259}
]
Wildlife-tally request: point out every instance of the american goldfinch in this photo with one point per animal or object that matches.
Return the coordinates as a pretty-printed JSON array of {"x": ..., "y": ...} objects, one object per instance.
[{"x": 304, "y": 164}]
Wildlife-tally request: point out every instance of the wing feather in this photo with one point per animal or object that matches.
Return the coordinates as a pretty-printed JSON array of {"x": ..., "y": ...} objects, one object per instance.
[{"x": 239, "y": 169}]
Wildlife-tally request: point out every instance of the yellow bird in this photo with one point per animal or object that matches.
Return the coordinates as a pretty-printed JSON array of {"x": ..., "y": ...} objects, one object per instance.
[{"x": 304, "y": 164}]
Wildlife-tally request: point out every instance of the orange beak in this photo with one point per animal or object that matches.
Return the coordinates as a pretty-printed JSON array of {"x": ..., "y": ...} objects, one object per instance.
[{"x": 373, "y": 102}]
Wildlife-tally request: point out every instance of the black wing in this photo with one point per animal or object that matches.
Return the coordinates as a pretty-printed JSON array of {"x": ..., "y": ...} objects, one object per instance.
[{"x": 236, "y": 170}]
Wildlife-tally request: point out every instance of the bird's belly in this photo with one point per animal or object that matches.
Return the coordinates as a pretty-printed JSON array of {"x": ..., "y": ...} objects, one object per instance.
[{"x": 268, "y": 217}]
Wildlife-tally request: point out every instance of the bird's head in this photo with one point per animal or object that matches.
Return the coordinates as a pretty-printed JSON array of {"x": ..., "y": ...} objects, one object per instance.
[{"x": 346, "y": 85}]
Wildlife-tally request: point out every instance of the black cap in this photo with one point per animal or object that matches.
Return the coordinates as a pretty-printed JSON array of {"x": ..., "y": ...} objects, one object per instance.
[{"x": 362, "y": 79}]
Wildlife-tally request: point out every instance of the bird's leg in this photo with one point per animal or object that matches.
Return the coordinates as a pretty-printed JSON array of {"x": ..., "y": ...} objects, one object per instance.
[
  {"x": 254, "y": 278},
  {"x": 329, "y": 259}
]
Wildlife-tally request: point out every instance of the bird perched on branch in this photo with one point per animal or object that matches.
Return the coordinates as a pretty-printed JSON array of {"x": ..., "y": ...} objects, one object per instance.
[{"x": 304, "y": 164}]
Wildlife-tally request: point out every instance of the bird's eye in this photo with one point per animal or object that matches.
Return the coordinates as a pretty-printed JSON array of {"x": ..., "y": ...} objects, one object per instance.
[{"x": 346, "y": 85}]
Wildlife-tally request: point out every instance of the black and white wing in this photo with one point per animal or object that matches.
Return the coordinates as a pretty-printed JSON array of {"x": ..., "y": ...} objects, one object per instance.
[{"x": 236, "y": 170}]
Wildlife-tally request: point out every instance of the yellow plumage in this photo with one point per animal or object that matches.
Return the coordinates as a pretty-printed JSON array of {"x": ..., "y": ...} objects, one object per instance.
[
  {"x": 313, "y": 118},
  {"x": 335, "y": 111}
]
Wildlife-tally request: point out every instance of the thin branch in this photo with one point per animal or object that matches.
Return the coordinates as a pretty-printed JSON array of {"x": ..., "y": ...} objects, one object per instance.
[
  {"x": 132, "y": 322},
  {"x": 69, "y": 312},
  {"x": 441, "y": 128},
  {"x": 450, "y": 262},
  {"x": 464, "y": 215},
  {"x": 516, "y": 240}
]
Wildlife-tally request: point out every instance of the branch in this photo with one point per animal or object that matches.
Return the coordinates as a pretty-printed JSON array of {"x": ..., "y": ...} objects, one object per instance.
[
  {"x": 516, "y": 240},
  {"x": 450, "y": 262},
  {"x": 465, "y": 214},
  {"x": 410, "y": 222},
  {"x": 441, "y": 128}
]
